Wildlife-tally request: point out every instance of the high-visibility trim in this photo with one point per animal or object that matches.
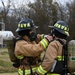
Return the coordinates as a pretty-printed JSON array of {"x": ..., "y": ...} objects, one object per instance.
[
  {"x": 20, "y": 72},
  {"x": 66, "y": 29},
  {"x": 20, "y": 57},
  {"x": 60, "y": 58},
  {"x": 53, "y": 67},
  {"x": 53, "y": 74},
  {"x": 61, "y": 27},
  {"x": 44, "y": 43},
  {"x": 67, "y": 33},
  {"x": 42, "y": 36},
  {"x": 23, "y": 25},
  {"x": 18, "y": 25},
  {"x": 28, "y": 24},
  {"x": 41, "y": 70}
]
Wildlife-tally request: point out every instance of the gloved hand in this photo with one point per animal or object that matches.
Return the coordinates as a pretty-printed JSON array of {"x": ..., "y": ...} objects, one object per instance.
[
  {"x": 16, "y": 65},
  {"x": 49, "y": 38},
  {"x": 41, "y": 36}
]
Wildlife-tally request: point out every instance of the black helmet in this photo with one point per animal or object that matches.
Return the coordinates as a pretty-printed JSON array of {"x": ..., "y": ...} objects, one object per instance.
[
  {"x": 61, "y": 27},
  {"x": 25, "y": 24}
]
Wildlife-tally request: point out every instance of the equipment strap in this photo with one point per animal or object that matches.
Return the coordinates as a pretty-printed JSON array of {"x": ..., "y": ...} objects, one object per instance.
[{"x": 65, "y": 54}]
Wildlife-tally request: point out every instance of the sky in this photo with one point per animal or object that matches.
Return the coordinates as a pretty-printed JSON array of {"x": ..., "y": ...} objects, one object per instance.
[
  {"x": 64, "y": 1},
  {"x": 26, "y": 1},
  {"x": 16, "y": 1}
]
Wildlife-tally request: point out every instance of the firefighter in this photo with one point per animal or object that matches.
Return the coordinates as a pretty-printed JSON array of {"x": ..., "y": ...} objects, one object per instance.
[
  {"x": 53, "y": 61},
  {"x": 29, "y": 47}
]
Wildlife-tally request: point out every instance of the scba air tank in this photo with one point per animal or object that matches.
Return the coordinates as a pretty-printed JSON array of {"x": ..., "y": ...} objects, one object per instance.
[{"x": 71, "y": 56}]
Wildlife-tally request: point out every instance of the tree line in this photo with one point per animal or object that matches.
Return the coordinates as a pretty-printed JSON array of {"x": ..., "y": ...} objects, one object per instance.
[{"x": 43, "y": 12}]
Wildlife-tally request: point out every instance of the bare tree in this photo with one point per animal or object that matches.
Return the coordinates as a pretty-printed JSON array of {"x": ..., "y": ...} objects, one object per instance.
[
  {"x": 71, "y": 21},
  {"x": 20, "y": 9},
  {"x": 44, "y": 13},
  {"x": 5, "y": 11},
  {"x": 12, "y": 12}
]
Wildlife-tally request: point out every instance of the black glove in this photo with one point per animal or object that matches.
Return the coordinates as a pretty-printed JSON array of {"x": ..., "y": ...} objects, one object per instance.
[
  {"x": 33, "y": 36},
  {"x": 16, "y": 64}
]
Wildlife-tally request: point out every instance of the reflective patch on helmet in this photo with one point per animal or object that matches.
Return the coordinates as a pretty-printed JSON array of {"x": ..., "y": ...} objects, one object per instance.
[
  {"x": 65, "y": 28},
  {"x": 28, "y": 24},
  {"x": 66, "y": 33},
  {"x": 18, "y": 25},
  {"x": 61, "y": 27},
  {"x": 23, "y": 25},
  {"x": 56, "y": 25}
]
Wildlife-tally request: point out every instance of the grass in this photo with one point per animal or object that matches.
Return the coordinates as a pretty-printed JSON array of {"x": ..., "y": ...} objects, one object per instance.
[{"x": 5, "y": 63}]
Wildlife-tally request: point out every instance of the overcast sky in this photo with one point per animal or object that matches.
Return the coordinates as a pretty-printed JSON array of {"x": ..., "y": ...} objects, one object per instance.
[
  {"x": 16, "y": 1},
  {"x": 26, "y": 1}
]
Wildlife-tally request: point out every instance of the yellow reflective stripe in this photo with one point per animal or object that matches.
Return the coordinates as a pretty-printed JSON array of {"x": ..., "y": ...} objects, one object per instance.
[
  {"x": 20, "y": 72},
  {"x": 65, "y": 28},
  {"x": 26, "y": 71},
  {"x": 56, "y": 25},
  {"x": 18, "y": 25},
  {"x": 41, "y": 70},
  {"x": 44, "y": 43},
  {"x": 24, "y": 25},
  {"x": 42, "y": 36},
  {"x": 53, "y": 74},
  {"x": 67, "y": 33},
  {"x": 60, "y": 58},
  {"x": 61, "y": 27},
  {"x": 20, "y": 57},
  {"x": 28, "y": 24},
  {"x": 21, "y": 25}
]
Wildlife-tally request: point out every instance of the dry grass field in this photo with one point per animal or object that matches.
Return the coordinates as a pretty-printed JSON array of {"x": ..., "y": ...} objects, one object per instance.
[
  {"x": 5, "y": 63},
  {"x": 6, "y": 67},
  {"x": 8, "y": 74}
]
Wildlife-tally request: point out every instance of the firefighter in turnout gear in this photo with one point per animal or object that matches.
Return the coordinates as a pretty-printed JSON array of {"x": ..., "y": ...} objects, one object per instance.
[
  {"x": 28, "y": 47},
  {"x": 53, "y": 61}
]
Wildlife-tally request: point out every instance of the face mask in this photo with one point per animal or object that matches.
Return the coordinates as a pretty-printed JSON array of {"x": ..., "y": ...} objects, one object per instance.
[
  {"x": 33, "y": 36},
  {"x": 52, "y": 33}
]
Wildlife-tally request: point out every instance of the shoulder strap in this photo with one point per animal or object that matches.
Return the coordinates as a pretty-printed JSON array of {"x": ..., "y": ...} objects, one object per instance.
[
  {"x": 19, "y": 38},
  {"x": 65, "y": 54},
  {"x": 60, "y": 41}
]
